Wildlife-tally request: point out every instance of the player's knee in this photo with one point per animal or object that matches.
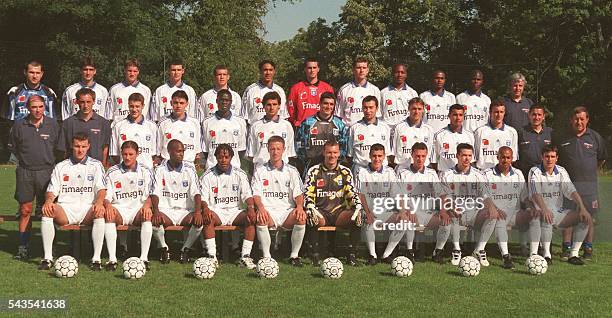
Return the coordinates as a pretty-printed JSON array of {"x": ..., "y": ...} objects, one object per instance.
[{"x": 25, "y": 209}]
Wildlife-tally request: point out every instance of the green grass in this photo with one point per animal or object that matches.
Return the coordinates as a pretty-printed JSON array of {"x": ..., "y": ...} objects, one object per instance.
[{"x": 432, "y": 290}]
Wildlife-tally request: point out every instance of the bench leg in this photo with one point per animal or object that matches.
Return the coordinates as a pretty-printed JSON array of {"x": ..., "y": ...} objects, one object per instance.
[
  {"x": 225, "y": 240},
  {"x": 75, "y": 241}
]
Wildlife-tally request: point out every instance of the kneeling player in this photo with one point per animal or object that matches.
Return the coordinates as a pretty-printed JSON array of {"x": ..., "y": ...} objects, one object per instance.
[
  {"x": 224, "y": 189},
  {"x": 78, "y": 185},
  {"x": 331, "y": 199},
  {"x": 127, "y": 202},
  {"x": 176, "y": 200},
  {"x": 548, "y": 184},
  {"x": 278, "y": 196}
]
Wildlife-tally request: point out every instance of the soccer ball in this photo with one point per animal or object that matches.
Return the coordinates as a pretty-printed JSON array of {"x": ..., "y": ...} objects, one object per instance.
[
  {"x": 204, "y": 268},
  {"x": 66, "y": 266},
  {"x": 401, "y": 266},
  {"x": 267, "y": 267},
  {"x": 332, "y": 268},
  {"x": 469, "y": 266},
  {"x": 536, "y": 265},
  {"x": 134, "y": 268}
]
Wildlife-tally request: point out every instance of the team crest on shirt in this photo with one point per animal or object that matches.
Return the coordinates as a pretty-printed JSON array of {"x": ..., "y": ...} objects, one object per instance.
[
  {"x": 90, "y": 177},
  {"x": 360, "y": 137},
  {"x": 44, "y": 136},
  {"x": 383, "y": 137},
  {"x": 320, "y": 183},
  {"x": 234, "y": 187},
  {"x": 21, "y": 98},
  {"x": 257, "y": 100},
  {"x": 389, "y": 102},
  {"x": 212, "y": 133},
  {"x": 236, "y": 132},
  {"x": 313, "y": 92},
  {"x": 164, "y": 99},
  {"x": 215, "y": 190},
  {"x": 66, "y": 177},
  {"x": 485, "y": 142},
  {"x": 493, "y": 186},
  {"x": 164, "y": 182},
  {"x": 140, "y": 182},
  {"x": 185, "y": 183},
  {"x": 426, "y": 139},
  {"x": 409, "y": 187},
  {"x": 351, "y": 100},
  {"x": 338, "y": 180},
  {"x": 261, "y": 135},
  {"x": 314, "y": 130},
  {"x": 123, "y": 137},
  {"x": 168, "y": 136},
  {"x": 385, "y": 184},
  {"x": 191, "y": 134},
  {"x": 118, "y": 185},
  {"x": 427, "y": 107},
  {"x": 587, "y": 145},
  {"x": 446, "y": 146},
  {"x": 119, "y": 100},
  {"x": 148, "y": 137},
  {"x": 287, "y": 184},
  {"x": 403, "y": 138},
  {"x": 266, "y": 182},
  {"x": 284, "y": 135},
  {"x": 508, "y": 143}
]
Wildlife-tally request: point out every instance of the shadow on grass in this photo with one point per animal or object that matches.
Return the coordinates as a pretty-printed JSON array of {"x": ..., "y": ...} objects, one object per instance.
[
  {"x": 455, "y": 273},
  {"x": 388, "y": 274},
  {"x": 317, "y": 275}
]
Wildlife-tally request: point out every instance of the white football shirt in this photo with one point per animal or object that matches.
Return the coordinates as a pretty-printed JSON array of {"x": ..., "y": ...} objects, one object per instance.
[
  {"x": 128, "y": 189},
  {"x": 187, "y": 130},
  {"x": 553, "y": 187},
  {"x": 394, "y": 103},
  {"x": 77, "y": 182},
  {"x": 476, "y": 109},
  {"x": 117, "y": 106},
  {"x": 225, "y": 190},
  {"x": 421, "y": 186},
  {"x": 507, "y": 191},
  {"x": 363, "y": 135},
  {"x": 436, "y": 108},
  {"x": 488, "y": 140},
  {"x": 207, "y": 104},
  {"x": 445, "y": 147},
  {"x": 252, "y": 108},
  {"x": 161, "y": 103},
  {"x": 217, "y": 130},
  {"x": 470, "y": 184},
  {"x": 261, "y": 131},
  {"x": 405, "y": 136},
  {"x": 69, "y": 100},
  {"x": 350, "y": 98},
  {"x": 277, "y": 188},
  {"x": 144, "y": 133},
  {"x": 374, "y": 184},
  {"x": 176, "y": 188}
]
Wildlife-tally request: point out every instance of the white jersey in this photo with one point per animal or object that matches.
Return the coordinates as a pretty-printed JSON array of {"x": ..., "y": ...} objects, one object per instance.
[
  {"x": 436, "y": 108},
  {"x": 363, "y": 135},
  {"x": 161, "y": 103},
  {"x": 471, "y": 184},
  {"x": 207, "y": 104},
  {"x": 128, "y": 189},
  {"x": 252, "y": 108},
  {"x": 261, "y": 131},
  {"x": 225, "y": 190},
  {"x": 394, "y": 103},
  {"x": 350, "y": 98},
  {"x": 374, "y": 184},
  {"x": 445, "y": 147},
  {"x": 507, "y": 191},
  {"x": 553, "y": 187},
  {"x": 176, "y": 188},
  {"x": 217, "y": 130},
  {"x": 405, "y": 136},
  {"x": 144, "y": 133},
  {"x": 277, "y": 188},
  {"x": 71, "y": 107},
  {"x": 186, "y": 130},
  {"x": 77, "y": 182},
  {"x": 423, "y": 184},
  {"x": 117, "y": 106},
  {"x": 488, "y": 140},
  {"x": 476, "y": 109}
]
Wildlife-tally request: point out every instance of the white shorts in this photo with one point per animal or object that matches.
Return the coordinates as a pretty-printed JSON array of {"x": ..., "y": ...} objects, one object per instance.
[
  {"x": 75, "y": 212},
  {"x": 227, "y": 216},
  {"x": 468, "y": 218},
  {"x": 511, "y": 218},
  {"x": 558, "y": 216},
  {"x": 176, "y": 215},
  {"x": 279, "y": 216},
  {"x": 127, "y": 214},
  {"x": 424, "y": 217}
]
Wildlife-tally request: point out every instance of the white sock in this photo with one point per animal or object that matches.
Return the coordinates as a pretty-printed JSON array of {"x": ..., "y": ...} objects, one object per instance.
[
  {"x": 456, "y": 234},
  {"x": 97, "y": 236},
  {"x": 535, "y": 233},
  {"x": 394, "y": 238},
  {"x": 546, "y": 238},
  {"x": 371, "y": 240},
  {"x": 48, "y": 234},
  {"x": 297, "y": 237},
  {"x": 146, "y": 230},
  {"x": 192, "y": 236},
  {"x": 502, "y": 236},
  {"x": 442, "y": 236},
  {"x": 263, "y": 234},
  {"x": 247, "y": 246},
  {"x": 580, "y": 232},
  {"x": 110, "y": 234},
  {"x": 409, "y": 239},
  {"x": 123, "y": 235},
  {"x": 486, "y": 229},
  {"x": 211, "y": 246},
  {"x": 159, "y": 233}
]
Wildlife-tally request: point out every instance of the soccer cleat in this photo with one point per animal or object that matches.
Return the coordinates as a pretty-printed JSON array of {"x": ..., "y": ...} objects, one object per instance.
[
  {"x": 565, "y": 254},
  {"x": 95, "y": 266},
  {"x": 372, "y": 261},
  {"x": 575, "y": 260},
  {"x": 411, "y": 256},
  {"x": 147, "y": 265},
  {"x": 296, "y": 262},
  {"x": 387, "y": 260},
  {"x": 482, "y": 258},
  {"x": 23, "y": 254},
  {"x": 164, "y": 255},
  {"x": 587, "y": 255},
  {"x": 111, "y": 266},
  {"x": 437, "y": 256},
  {"x": 45, "y": 264},
  {"x": 455, "y": 257},
  {"x": 351, "y": 260},
  {"x": 548, "y": 260},
  {"x": 508, "y": 264},
  {"x": 247, "y": 261},
  {"x": 184, "y": 257},
  {"x": 315, "y": 259}
]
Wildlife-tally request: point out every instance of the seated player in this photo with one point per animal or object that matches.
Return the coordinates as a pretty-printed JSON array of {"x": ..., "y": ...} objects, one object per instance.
[
  {"x": 127, "y": 202},
  {"x": 331, "y": 199},
  {"x": 548, "y": 184},
  {"x": 466, "y": 188},
  {"x": 78, "y": 185},
  {"x": 224, "y": 190},
  {"x": 176, "y": 200},
  {"x": 423, "y": 188},
  {"x": 278, "y": 196}
]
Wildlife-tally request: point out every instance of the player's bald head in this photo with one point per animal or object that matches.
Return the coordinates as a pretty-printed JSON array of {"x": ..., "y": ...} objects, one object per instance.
[
  {"x": 174, "y": 143},
  {"x": 504, "y": 150}
]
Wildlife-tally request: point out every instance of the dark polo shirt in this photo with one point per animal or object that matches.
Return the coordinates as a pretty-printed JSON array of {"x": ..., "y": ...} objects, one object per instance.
[
  {"x": 530, "y": 145},
  {"x": 97, "y": 128},
  {"x": 34, "y": 147},
  {"x": 517, "y": 112}
]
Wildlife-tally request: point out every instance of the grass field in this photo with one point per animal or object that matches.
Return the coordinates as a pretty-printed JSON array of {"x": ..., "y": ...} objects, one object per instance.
[{"x": 432, "y": 290}]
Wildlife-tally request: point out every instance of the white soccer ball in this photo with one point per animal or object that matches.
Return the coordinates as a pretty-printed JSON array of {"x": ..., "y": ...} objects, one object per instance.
[
  {"x": 536, "y": 265},
  {"x": 134, "y": 268},
  {"x": 332, "y": 268},
  {"x": 401, "y": 266},
  {"x": 267, "y": 267},
  {"x": 66, "y": 266},
  {"x": 469, "y": 266},
  {"x": 204, "y": 268}
]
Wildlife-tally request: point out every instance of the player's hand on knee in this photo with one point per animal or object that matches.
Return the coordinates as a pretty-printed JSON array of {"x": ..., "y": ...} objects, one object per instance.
[
  {"x": 412, "y": 218},
  {"x": 548, "y": 216},
  {"x": 157, "y": 219},
  {"x": 300, "y": 215},
  {"x": 198, "y": 219},
  {"x": 146, "y": 213},
  {"x": 110, "y": 213},
  {"x": 208, "y": 216},
  {"x": 262, "y": 217},
  {"x": 99, "y": 210},
  {"x": 584, "y": 216},
  {"x": 445, "y": 218},
  {"x": 493, "y": 213},
  {"x": 501, "y": 215},
  {"x": 47, "y": 210}
]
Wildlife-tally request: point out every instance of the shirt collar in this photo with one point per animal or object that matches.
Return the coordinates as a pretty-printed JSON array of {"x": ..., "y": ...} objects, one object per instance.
[
  {"x": 422, "y": 171},
  {"x": 90, "y": 87},
  {"x": 324, "y": 167},
  {"x": 322, "y": 119},
  {"x": 393, "y": 88},
  {"x": 125, "y": 169},
  {"x": 363, "y": 121},
  {"x": 135, "y": 84},
  {"x": 365, "y": 85},
  {"x": 501, "y": 128},
  {"x": 434, "y": 93},
  {"x": 74, "y": 162},
  {"x": 456, "y": 170},
  {"x": 133, "y": 121},
  {"x": 313, "y": 84},
  {"x": 175, "y": 119},
  {"x": 499, "y": 173},
  {"x": 372, "y": 170},
  {"x": 275, "y": 119},
  {"x": 264, "y": 85},
  {"x": 451, "y": 130},
  {"x": 471, "y": 93},
  {"x": 411, "y": 125},
  {"x": 555, "y": 170},
  {"x": 78, "y": 116},
  {"x": 270, "y": 167},
  {"x": 177, "y": 169},
  {"x": 28, "y": 122},
  {"x": 218, "y": 171},
  {"x": 37, "y": 88},
  {"x": 228, "y": 116},
  {"x": 177, "y": 86}
]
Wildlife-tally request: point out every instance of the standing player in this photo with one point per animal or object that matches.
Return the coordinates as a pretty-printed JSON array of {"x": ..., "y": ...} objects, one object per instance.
[
  {"x": 207, "y": 104},
  {"x": 410, "y": 131},
  {"x": 475, "y": 102},
  {"x": 127, "y": 202},
  {"x": 548, "y": 184},
  {"x": 270, "y": 125},
  {"x": 444, "y": 154},
  {"x": 117, "y": 107},
  {"x": 78, "y": 185},
  {"x": 252, "y": 100},
  {"x": 517, "y": 106},
  {"x": 351, "y": 94},
  {"x": 224, "y": 190},
  {"x": 367, "y": 131},
  {"x": 18, "y": 96},
  {"x": 316, "y": 130},
  {"x": 135, "y": 128},
  {"x": 395, "y": 98},
  {"x": 178, "y": 125},
  {"x": 33, "y": 141},
  {"x": 278, "y": 196},
  {"x": 583, "y": 152},
  {"x": 176, "y": 200},
  {"x": 330, "y": 199},
  {"x": 492, "y": 136},
  {"x": 161, "y": 103},
  {"x": 70, "y": 105},
  {"x": 223, "y": 127},
  {"x": 437, "y": 102},
  {"x": 532, "y": 138},
  {"x": 304, "y": 96}
]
